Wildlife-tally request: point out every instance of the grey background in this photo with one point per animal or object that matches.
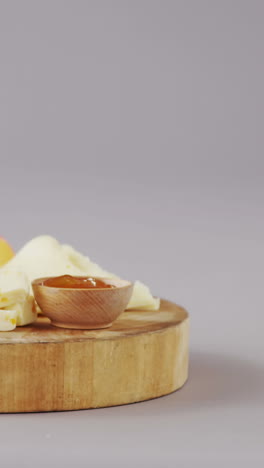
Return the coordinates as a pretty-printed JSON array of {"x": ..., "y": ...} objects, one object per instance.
[{"x": 134, "y": 131}]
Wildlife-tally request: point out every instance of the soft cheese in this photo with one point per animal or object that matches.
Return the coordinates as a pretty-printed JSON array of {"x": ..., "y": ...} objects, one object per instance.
[
  {"x": 14, "y": 287},
  {"x": 45, "y": 256},
  {"x": 25, "y": 311},
  {"x": 142, "y": 298},
  {"x": 15, "y": 299},
  {"x": 8, "y": 320}
]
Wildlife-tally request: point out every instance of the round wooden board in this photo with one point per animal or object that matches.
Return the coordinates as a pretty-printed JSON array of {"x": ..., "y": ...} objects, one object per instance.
[{"x": 142, "y": 356}]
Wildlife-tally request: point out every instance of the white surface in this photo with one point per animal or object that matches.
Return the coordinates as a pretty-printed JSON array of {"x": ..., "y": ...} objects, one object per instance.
[{"x": 134, "y": 131}]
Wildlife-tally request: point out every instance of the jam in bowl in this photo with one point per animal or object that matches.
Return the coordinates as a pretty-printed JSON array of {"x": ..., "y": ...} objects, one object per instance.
[{"x": 82, "y": 301}]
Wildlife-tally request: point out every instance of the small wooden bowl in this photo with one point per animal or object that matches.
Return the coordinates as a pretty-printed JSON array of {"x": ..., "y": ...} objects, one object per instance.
[{"x": 83, "y": 308}]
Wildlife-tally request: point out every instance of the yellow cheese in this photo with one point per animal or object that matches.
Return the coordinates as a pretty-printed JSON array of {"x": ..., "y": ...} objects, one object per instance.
[{"x": 6, "y": 251}]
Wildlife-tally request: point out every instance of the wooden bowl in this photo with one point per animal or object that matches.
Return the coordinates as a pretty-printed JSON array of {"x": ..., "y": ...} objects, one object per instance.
[{"x": 83, "y": 308}]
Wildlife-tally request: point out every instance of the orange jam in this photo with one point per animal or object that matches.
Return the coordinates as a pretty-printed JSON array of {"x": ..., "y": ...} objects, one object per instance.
[{"x": 77, "y": 282}]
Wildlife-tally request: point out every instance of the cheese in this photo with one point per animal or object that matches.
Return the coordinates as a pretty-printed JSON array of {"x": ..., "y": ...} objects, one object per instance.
[
  {"x": 142, "y": 298},
  {"x": 8, "y": 320},
  {"x": 15, "y": 300},
  {"x": 84, "y": 264},
  {"x": 25, "y": 311},
  {"x": 6, "y": 251},
  {"x": 42, "y": 256},
  {"x": 14, "y": 287},
  {"x": 45, "y": 256}
]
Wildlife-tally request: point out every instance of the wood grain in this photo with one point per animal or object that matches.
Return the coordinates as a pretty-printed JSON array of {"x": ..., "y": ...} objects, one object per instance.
[{"x": 143, "y": 355}]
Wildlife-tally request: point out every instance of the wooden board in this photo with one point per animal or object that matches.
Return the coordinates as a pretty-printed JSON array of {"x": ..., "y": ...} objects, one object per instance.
[{"x": 142, "y": 356}]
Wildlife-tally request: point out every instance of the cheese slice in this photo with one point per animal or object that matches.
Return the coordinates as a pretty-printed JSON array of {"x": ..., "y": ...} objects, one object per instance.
[
  {"x": 8, "y": 320},
  {"x": 45, "y": 256}
]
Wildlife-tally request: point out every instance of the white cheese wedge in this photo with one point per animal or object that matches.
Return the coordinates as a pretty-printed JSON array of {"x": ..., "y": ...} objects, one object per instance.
[
  {"x": 84, "y": 264},
  {"x": 142, "y": 298},
  {"x": 45, "y": 256},
  {"x": 42, "y": 256},
  {"x": 8, "y": 320}
]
